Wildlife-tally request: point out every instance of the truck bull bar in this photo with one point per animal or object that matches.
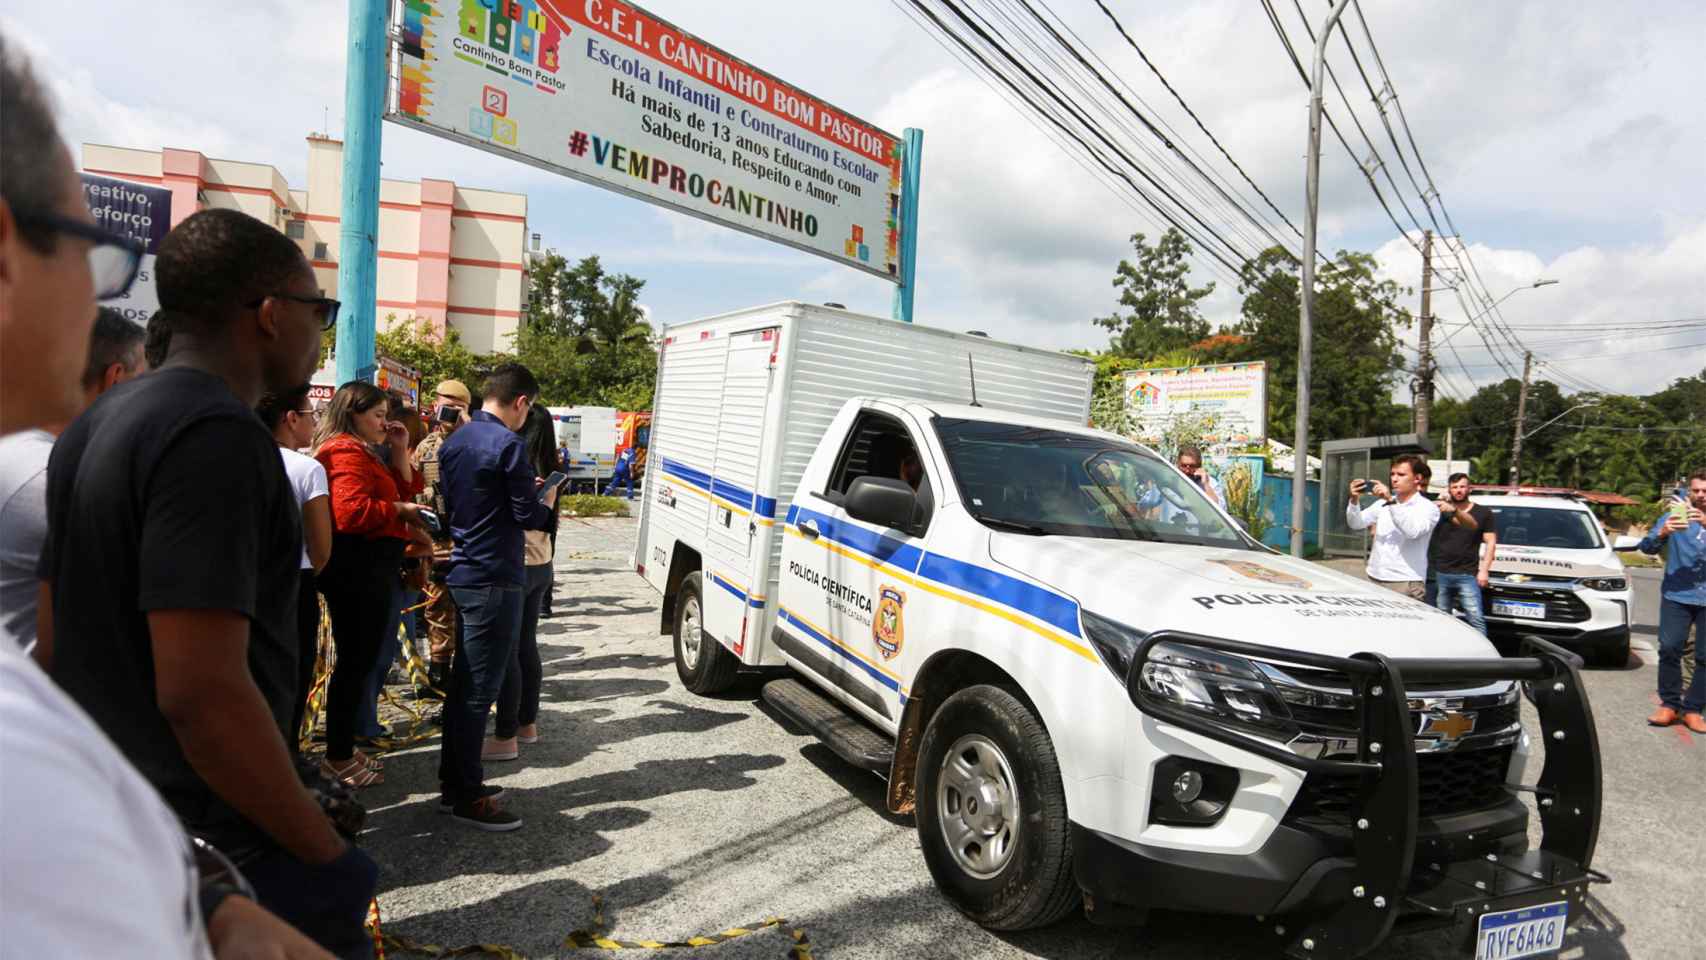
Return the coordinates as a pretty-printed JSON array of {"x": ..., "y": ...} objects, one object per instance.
[{"x": 1384, "y": 883}]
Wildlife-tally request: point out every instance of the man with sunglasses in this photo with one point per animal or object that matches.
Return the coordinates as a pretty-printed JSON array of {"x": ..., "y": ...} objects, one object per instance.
[
  {"x": 172, "y": 563},
  {"x": 82, "y": 825}
]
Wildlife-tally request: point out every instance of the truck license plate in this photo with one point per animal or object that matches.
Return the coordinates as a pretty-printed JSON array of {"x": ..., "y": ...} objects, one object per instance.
[
  {"x": 1519, "y": 608},
  {"x": 1528, "y": 932}
]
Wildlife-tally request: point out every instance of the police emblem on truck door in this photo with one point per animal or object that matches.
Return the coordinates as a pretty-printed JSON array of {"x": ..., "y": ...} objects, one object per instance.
[{"x": 888, "y": 628}]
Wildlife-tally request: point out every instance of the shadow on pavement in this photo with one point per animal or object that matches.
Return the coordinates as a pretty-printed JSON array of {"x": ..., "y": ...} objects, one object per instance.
[
  {"x": 564, "y": 688},
  {"x": 618, "y": 661},
  {"x": 533, "y": 920}
]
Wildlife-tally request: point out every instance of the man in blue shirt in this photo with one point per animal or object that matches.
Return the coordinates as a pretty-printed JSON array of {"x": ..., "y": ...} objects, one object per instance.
[
  {"x": 493, "y": 495},
  {"x": 1682, "y": 604}
]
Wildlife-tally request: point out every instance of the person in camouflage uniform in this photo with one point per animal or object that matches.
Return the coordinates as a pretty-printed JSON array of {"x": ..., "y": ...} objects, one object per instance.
[{"x": 440, "y": 609}]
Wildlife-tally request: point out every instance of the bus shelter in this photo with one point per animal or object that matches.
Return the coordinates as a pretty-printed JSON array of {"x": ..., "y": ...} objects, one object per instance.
[{"x": 1361, "y": 458}]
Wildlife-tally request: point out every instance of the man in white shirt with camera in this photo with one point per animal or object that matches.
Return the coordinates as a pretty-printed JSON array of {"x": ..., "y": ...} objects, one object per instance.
[{"x": 1403, "y": 520}]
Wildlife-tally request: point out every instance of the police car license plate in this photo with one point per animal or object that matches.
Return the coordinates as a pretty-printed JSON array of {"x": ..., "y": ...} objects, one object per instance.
[
  {"x": 1528, "y": 932},
  {"x": 1519, "y": 608}
]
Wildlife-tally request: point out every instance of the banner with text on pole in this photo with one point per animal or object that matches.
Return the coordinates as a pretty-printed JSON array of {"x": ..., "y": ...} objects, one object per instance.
[{"x": 607, "y": 93}]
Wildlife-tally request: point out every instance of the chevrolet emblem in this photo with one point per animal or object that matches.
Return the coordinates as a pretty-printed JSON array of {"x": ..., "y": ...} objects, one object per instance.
[{"x": 1447, "y": 725}]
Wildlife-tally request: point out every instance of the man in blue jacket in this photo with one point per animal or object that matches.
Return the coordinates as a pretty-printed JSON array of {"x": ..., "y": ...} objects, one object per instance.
[
  {"x": 1682, "y": 604},
  {"x": 493, "y": 495}
]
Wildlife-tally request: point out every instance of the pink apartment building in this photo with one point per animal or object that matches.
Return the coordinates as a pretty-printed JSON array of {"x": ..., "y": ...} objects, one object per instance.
[{"x": 448, "y": 254}]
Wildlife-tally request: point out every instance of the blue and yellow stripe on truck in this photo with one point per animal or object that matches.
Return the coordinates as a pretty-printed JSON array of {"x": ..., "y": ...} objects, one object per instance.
[
  {"x": 736, "y": 498},
  {"x": 1036, "y": 609}
]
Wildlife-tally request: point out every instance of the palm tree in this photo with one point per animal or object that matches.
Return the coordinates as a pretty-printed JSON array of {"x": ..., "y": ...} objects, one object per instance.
[{"x": 617, "y": 320}]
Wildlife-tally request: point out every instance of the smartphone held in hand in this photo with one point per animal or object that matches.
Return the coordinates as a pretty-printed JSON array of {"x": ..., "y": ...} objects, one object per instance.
[{"x": 553, "y": 483}]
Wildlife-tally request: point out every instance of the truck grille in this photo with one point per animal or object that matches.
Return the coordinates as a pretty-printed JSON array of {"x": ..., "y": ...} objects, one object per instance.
[
  {"x": 1331, "y": 722},
  {"x": 1561, "y": 606},
  {"x": 1447, "y": 783}
]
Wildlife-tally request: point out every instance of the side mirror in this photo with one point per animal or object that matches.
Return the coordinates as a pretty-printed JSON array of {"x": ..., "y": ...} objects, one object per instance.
[
  {"x": 884, "y": 501},
  {"x": 1626, "y": 542}
]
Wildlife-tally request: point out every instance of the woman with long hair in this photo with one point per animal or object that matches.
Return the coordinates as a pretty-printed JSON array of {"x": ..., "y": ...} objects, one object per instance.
[
  {"x": 366, "y": 456},
  {"x": 518, "y": 700}
]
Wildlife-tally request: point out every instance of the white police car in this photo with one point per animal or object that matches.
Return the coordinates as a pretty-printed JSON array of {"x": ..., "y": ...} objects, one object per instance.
[
  {"x": 1090, "y": 687},
  {"x": 1556, "y": 574}
]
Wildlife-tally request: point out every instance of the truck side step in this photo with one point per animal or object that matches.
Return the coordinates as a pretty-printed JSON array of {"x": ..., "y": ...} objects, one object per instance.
[{"x": 851, "y": 738}]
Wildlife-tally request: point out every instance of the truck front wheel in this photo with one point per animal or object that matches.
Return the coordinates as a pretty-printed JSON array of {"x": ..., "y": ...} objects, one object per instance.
[
  {"x": 992, "y": 812},
  {"x": 701, "y": 662}
]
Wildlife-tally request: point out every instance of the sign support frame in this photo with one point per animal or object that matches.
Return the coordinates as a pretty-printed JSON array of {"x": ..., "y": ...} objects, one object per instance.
[
  {"x": 358, "y": 228},
  {"x": 911, "y": 167}
]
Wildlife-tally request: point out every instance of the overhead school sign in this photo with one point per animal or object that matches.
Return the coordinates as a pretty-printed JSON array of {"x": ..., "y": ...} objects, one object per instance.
[{"x": 605, "y": 92}]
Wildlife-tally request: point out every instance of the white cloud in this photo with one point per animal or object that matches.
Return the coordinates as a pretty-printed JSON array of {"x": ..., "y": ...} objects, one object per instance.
[
  {"x": 1602, "y": 321},
  {"x": 1565, "y": 139}
]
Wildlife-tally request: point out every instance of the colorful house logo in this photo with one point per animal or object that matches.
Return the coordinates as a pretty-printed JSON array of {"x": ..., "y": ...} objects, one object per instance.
[
  {"x": 1146, "y": 394},
  {"x": 519, "y": 29}
]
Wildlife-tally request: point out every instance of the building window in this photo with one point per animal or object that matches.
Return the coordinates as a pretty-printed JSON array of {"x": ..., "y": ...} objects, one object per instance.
[
  {"x": 320, "y": 252},
  {"x": 295, "y": 229}
]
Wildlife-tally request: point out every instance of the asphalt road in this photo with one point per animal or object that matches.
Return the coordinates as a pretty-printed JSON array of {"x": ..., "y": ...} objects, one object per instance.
[{"x": 687, "y": 816}]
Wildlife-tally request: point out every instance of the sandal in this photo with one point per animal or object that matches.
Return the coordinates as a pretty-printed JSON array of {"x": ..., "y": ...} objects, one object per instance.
[
  {"x": 368, "y": 760},
  {"x": 352, "y": 773}
]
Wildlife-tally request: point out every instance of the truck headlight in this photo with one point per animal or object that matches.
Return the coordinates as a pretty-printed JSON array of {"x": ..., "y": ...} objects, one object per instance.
[
  {"x": 1605, "y": 583},
  {"x": 1225, "y": 687}
]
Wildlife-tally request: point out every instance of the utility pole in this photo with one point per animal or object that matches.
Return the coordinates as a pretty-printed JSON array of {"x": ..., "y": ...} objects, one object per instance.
[
  {"x": 1521, "y": 411},
  {"x": 1306, "y": 293},
  {"x": 1425, "y": 365}
]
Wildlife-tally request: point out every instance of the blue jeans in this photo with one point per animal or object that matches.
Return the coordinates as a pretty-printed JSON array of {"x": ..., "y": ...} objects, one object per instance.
[
  {"x": 326, "y": 902},
  {"x": 1674, "y": 621},
  {"x": 1462, "y": 588},
  {"x": 518, "y": 701},
  {"x": 367, "y": 721},
  {"x": 1430, "y": 589},
  {"x": 487, "y": 630}
]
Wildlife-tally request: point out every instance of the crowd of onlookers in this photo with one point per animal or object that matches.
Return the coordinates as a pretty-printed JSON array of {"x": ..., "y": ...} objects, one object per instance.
[
  {"x": 1442, "y": 552},
  {"x": 175, "y": 508}
]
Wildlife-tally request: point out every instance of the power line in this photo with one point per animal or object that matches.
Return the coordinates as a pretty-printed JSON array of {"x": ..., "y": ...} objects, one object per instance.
[
  {"x": 1089, "y": 126},
  {"x": 1193, "y": 115}
]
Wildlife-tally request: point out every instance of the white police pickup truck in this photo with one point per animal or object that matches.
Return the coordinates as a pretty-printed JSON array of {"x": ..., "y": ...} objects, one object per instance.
[{"x": 1089, "y": 686}]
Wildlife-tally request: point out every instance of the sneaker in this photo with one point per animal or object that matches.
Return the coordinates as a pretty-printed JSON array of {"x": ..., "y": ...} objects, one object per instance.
[
  {"x": 486, "y": 814},
  {"x": 527, "y": 733},
  {"x": 496, "y": 749},
  {"x": 488, "y": 791}
]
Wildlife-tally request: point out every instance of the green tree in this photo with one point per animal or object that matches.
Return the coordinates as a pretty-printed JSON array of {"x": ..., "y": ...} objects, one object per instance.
[
  {"x": 417, "y": 345},
  {"x": 1161, "y": 305},
  {"x": 1356, "y": 361}
]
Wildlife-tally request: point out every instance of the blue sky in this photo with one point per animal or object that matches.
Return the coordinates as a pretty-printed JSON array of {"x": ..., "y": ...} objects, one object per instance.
[{"x": 1566, "y": 140}]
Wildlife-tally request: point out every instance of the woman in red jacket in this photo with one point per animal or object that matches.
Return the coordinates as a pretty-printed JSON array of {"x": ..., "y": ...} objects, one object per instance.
[{"x": 366, "y": 456}]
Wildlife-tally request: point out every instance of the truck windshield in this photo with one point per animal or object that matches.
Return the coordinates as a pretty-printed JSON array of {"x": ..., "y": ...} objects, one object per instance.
[
  {"x": 1546, "y": 527},
  {"x": 1049, "y": 482}
]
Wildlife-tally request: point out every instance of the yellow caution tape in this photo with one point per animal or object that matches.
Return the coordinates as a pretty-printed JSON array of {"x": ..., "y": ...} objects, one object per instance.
[{"x": 589, "y": 939}]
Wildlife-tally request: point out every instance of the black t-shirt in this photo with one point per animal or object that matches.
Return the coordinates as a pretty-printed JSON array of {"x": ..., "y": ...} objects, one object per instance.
[
  {"x": 1456, "y": 549},
  {"x": 169, "y": 494}
]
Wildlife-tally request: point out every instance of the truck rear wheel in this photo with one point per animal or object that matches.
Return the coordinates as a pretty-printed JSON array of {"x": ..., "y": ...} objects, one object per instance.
[
  {"x": 701, "y": 662},
  {"x": 992, "y": 812}
]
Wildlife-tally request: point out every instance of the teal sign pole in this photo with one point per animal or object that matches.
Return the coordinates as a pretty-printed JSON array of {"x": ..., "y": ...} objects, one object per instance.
[
  {"x": 911, "y": 159},
  {"x": 358, "y": 231}
]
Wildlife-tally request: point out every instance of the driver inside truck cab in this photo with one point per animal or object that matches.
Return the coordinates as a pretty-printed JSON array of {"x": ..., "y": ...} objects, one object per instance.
[{"x": 895, "y": 456}]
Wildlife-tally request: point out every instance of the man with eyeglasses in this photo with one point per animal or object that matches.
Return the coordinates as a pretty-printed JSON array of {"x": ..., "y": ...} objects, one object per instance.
[
  {"x": 82, "y": 825},
  {"x": 172, "y": 562}
]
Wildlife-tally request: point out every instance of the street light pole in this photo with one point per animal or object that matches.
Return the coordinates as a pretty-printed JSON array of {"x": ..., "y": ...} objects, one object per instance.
[
  {"x": 1306, "y": 315},
  {"x": 1467, "y": 323}
]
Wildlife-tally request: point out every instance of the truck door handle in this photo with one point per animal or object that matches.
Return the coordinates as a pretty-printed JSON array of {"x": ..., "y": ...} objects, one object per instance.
[{"x": 808, "y": 529}]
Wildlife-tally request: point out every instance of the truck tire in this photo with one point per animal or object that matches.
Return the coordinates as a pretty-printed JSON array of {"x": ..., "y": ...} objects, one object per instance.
[
  {"x": 992, "y": 812},
  {"x": 703, "y": 664}
]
